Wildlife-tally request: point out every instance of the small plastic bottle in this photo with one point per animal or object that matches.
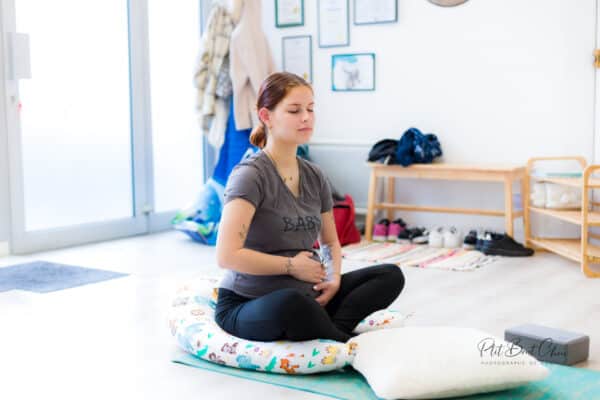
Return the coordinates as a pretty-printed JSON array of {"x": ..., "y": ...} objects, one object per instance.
[{"x": 327, "y": 261}]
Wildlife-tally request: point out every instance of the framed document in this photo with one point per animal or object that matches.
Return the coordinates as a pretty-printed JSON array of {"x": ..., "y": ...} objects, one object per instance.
[
  {"x": 297, "y": 55},
  {"x": 333, "y": 23},
  {"x": 375, "y": 11},
  {"x": 289, "y": 13},
  {"x": 353, "y": 72}
]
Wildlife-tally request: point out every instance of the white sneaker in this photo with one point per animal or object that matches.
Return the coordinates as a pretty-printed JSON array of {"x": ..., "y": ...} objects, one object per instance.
[
  {"x": 452, "y": 238},
  {"x": 436, "y": 237}
]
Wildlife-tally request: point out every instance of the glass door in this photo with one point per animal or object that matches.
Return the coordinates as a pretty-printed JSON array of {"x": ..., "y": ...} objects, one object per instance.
[{"x": 82, "y": 161}]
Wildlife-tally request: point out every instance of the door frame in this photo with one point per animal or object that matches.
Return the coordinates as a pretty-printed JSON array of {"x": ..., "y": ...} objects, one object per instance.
[{"x": 5, "y": 214}]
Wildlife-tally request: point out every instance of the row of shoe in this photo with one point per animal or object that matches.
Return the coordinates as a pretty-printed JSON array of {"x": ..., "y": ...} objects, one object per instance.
[
  {"x": 397, "y": 231},
  {"x": 488, "y": 242}
]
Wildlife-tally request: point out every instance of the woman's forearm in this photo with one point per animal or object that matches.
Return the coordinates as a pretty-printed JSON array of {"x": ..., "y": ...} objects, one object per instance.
[{"x": 257, "y": 263}]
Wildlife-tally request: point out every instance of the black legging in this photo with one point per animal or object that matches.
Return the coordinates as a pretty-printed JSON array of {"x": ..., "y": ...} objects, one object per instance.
[{"x": 287, "y": 314}]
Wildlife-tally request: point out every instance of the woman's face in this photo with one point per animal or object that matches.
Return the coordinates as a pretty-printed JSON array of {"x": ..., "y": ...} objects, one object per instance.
[{"x": 293, "y": 118}]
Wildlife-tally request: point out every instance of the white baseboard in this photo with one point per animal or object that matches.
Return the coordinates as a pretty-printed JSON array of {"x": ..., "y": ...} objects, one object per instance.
[{"x": 4, "y": 249}]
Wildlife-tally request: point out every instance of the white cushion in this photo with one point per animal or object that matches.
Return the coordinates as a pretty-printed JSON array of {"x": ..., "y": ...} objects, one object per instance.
[{"x": 439, "y": 362}]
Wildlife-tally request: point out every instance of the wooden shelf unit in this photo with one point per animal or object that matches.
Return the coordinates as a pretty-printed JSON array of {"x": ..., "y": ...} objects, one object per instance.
[{"x": 578, "y": 250}]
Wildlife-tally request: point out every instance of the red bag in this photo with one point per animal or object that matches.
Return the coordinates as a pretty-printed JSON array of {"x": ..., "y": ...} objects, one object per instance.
[{"x": 344, "y": 216}]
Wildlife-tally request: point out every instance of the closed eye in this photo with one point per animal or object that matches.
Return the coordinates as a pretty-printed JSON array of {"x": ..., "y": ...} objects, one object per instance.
[{"x": 297, "y": 111}]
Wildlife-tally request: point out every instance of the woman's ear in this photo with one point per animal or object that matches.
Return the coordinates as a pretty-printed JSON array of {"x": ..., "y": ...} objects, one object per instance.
[{"x": 265, "y": 116}]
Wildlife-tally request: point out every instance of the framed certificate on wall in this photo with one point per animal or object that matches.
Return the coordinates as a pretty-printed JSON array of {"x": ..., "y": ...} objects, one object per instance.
[
  {"x": 353, "y": 72},
  {"x": 333, "y": 23},
  {"x": 289, "y": 13},
  {"x": 297, "y": 56},
  {"x": 375, "y": 11}
]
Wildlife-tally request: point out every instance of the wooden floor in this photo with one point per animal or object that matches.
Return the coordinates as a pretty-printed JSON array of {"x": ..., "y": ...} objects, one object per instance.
[
  {"x": 544, "y": 289},
  {"x": 111, "y": 339}
]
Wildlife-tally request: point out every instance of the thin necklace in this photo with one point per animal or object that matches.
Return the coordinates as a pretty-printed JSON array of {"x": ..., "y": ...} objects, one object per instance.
[{"x": 285, "y": 179}]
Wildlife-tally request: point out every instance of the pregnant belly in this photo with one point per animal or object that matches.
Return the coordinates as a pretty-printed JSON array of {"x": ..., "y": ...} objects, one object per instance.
[{"x": 259, "y": 285}]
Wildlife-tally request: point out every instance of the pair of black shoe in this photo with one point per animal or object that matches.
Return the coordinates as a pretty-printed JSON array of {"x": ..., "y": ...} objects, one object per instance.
[
  {"x": 498, "y": 244},
  {"x": 416, "y": 235}
]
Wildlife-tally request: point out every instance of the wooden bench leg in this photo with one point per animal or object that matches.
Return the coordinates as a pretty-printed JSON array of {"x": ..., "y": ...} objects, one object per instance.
[
  {"x": 525, "y": 203},
  {"x": 371, "y": 206},
  {"x": 391, "y": 196},
  {"x": 508, "y": 207}
]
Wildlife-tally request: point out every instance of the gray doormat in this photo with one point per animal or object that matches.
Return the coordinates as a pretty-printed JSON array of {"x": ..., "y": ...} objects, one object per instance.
[{"x": 44, "y": 277}]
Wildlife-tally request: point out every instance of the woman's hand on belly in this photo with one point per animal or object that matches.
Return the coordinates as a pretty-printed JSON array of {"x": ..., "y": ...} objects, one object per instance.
[{"x": 303, "y": 267}]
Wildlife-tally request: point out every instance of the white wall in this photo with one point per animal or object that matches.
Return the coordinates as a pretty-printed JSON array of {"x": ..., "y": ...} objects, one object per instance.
[{"x": 496, "y": 80}]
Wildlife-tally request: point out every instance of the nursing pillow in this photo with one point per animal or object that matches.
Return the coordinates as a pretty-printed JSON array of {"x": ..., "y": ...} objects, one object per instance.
[{"x": 192, "y": 323}]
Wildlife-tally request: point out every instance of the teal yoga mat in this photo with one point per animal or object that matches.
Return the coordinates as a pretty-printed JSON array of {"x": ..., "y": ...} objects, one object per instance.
[
  {"x": 343, "y": 384},
  {"x": 563, "y": 383}
]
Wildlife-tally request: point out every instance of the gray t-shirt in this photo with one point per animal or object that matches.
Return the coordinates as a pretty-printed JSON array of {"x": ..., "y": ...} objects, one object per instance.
[{"x": 282, "y": 225}]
